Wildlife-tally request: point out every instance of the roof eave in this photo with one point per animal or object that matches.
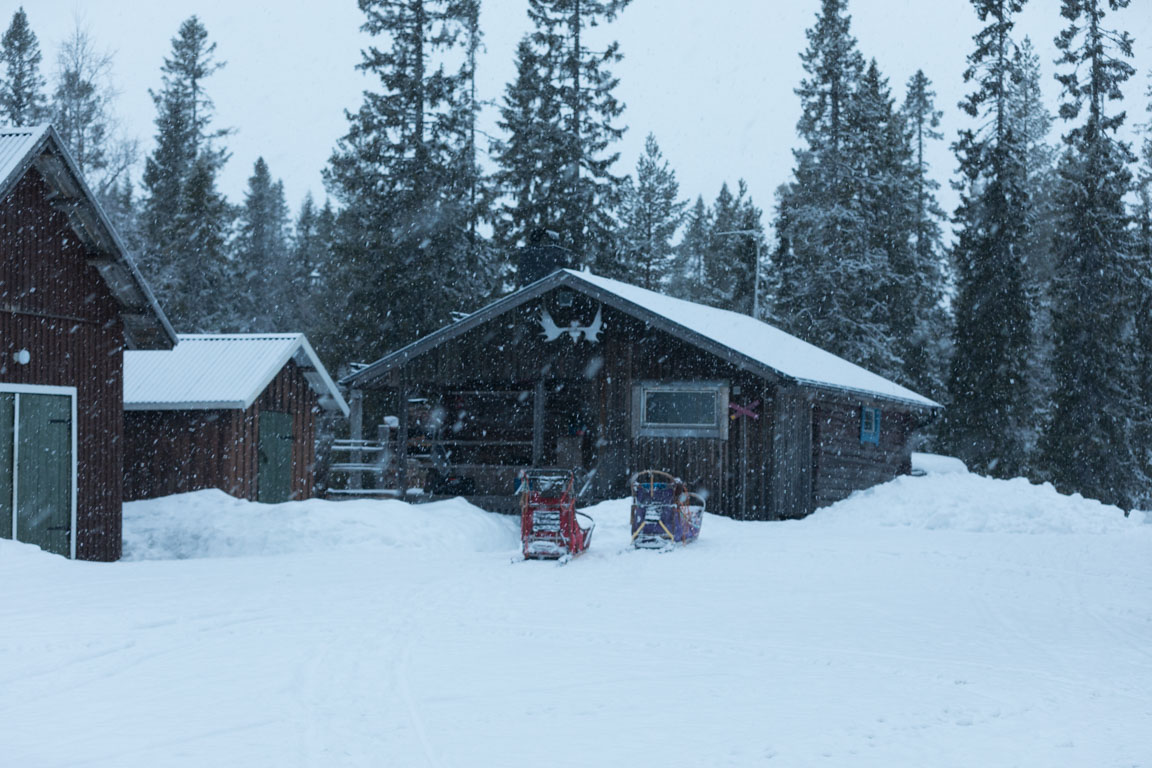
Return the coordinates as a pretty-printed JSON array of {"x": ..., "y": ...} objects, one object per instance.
[{"x": 146, "y": 325}]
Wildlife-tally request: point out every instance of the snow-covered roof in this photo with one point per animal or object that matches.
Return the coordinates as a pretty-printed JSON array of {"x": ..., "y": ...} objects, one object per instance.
[
  {"x": 40, "y": 147},
  {"x": 206, "y": 371},
  {"x": 737, "y": 337},
  {"x": 759, "y": 341}
]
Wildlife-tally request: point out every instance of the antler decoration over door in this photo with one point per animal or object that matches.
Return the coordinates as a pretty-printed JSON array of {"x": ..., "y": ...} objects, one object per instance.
[{"x": 591, "y": 332}]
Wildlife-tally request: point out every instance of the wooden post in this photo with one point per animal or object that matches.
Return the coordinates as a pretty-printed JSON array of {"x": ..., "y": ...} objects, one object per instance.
[
  {"x": 402, "y": 433},
  {"x": 538, "y": 424},
  {"x": 356, "y": 432}
]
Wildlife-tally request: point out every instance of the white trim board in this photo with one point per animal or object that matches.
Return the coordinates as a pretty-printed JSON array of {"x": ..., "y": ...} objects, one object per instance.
[{"x": 42, "y": 389}]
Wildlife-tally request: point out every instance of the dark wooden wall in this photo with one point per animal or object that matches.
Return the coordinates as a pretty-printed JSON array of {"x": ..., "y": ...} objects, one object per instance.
[
  {"x": 56, "y": 306},
  {"x": 842, "y": 464},
  {"x": 781, "y": 465},
  {"x": 180, "y": 451}
]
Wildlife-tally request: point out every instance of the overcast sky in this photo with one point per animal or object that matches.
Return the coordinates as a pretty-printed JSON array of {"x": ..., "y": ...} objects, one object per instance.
[{"x": 713, "y": 80}]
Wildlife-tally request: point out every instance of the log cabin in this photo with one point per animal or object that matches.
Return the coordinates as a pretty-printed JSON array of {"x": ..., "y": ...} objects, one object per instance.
[
  {"x": 71, "y": 301},
  {"x": 230, "y": 411},
  {"x": 606, "y": 378}
]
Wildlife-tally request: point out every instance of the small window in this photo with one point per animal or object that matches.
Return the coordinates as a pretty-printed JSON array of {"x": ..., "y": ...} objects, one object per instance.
[
  {"x": 680, "y": 409},
  {"x": 870, "y": 425}
]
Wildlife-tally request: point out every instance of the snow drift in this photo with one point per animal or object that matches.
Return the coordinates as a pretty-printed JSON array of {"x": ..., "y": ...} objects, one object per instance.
[
  {"x": 947, "y": 620},
  {"x": 213, "y": 524}
]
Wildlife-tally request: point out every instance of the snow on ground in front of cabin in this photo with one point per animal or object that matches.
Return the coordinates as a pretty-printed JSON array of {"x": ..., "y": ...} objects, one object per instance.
[{"x": 945, "y": 620}]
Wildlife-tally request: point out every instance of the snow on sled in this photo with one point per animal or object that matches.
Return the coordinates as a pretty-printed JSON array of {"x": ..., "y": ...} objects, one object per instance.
[
  {"x": 663, "y": 511},
  {"x": 550, "y": 526}
]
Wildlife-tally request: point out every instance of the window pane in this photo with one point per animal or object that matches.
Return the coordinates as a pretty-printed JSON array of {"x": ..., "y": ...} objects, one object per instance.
[{"x": 680, "y": 408}]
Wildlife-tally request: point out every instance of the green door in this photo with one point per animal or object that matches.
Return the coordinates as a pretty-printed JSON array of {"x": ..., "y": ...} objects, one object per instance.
[
  {"x": 275, "y": 481},
  {"x": 44, "y": 472},
  {"x": 7, "y": 422}
]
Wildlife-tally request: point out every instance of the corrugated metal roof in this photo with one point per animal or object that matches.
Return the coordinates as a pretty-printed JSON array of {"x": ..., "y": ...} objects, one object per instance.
[
  {"x": 220, "y": 371},
  {"x": 16, "y": 144}
]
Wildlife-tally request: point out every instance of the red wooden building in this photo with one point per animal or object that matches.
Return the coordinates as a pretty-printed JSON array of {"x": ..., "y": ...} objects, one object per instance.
[
  {"x": 71, "y": 301},
  {"x": 229, "y": 411}
]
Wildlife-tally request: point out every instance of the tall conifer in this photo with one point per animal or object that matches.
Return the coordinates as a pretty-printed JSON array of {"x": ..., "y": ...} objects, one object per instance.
[
  {"x": 405, "y": 174},
  {"x": 1090, "y": 445},
  {"x": 989, "y": 416},
  {"x": 22, "y": 99},
  {"x": 265, "y": 274},
  {"x": 652, "y": 212},
  {"x": 185, "y": 221},
  {"x": 585, "y": 111},
  {"x": 925, "y": 348}
]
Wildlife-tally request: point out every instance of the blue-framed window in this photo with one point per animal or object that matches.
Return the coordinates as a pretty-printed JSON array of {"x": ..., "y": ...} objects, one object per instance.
[{"x": 870, "y": 425}]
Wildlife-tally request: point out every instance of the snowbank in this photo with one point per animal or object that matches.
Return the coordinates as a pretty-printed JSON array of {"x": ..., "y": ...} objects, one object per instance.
[
  {"x": 213, "y": 524},
  {"x": 935, "y": 464},
  {"x": 973, "y": 503}
]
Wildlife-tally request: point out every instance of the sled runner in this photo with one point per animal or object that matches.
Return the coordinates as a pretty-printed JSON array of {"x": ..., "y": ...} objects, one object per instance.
[
  {"x": 663, "y": 511},
  {"x": 550, "y": 526}
]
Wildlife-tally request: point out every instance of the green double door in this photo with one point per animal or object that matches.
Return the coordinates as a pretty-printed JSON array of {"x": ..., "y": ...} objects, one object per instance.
[
  {"x": 275, "y": 479},
  {"x": 36, "y": 470}
]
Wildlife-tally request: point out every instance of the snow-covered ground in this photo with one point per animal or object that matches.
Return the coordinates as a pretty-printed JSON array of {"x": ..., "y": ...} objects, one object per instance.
[{"x": 945, "y": 620}]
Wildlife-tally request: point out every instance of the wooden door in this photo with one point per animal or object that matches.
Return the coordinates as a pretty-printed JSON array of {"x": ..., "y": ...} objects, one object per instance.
[
  {"x": 44, "y": 472},
  {"x": 7, "y": 424},
  {"x": 275, "y": 480}
]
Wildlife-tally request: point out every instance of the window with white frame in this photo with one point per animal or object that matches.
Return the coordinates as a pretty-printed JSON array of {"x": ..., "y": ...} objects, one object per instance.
[{"x": 680, "y": 409}]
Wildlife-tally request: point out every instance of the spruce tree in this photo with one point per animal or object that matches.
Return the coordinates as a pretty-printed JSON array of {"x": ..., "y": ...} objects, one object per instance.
[
  {"x": 989, "y": 416},
  {"x": 529, "y": 167},
  {"x": 585, "y": 110},
  {"x": 688, "y": 278},
  {"x": 1090, "y": 443},
  {"x": 816, "y": 250},
  {"x": 22, "y": 100},
  {"x": 737, "y": 236},
  {"x": 925, "y": 347},
  {"x": 652, "y": 212},
  {"x": 1032, "y": 123},
  {"x": 834, "y": 221},
  {"x": 265, "y": 273},
  {"x": 1142, "y": 249},
  {"x": 405, "y": 176},
  {"x": 184, "y": 218},
  {"x": 893, "y": 300}
]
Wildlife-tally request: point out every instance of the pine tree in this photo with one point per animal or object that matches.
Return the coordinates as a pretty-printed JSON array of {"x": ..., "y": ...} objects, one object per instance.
[
  {"x": 22, "y": 100},
  {"x": 898, "y": 295},
  {"x": 82, "y": 114},
  {"x": 652, "y": 212},
  {"x": 1090, "y": 444},
  {"x": 736, "y": 240},
  {"x": 184, "y": 219},
  {"x": 405, "y": 174},
  {"x": 1032, "y": 123},
  {"x": 261, "y": 261},
  {"x": 1142, "y": 249},
  {"x": 925, "y": 346},
  {"x": 529, "y": 168},
  {"x": 830, "y": 271},
  {"x": 688, "y": 280},
  {"x": 989, "y": 417},
  {"x": 581, "y": 87}
]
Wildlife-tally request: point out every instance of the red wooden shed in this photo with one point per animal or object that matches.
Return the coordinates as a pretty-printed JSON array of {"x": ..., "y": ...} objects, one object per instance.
[
  {"x": 71, "y": 301},
  {"x": 229, "y": 411}
]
